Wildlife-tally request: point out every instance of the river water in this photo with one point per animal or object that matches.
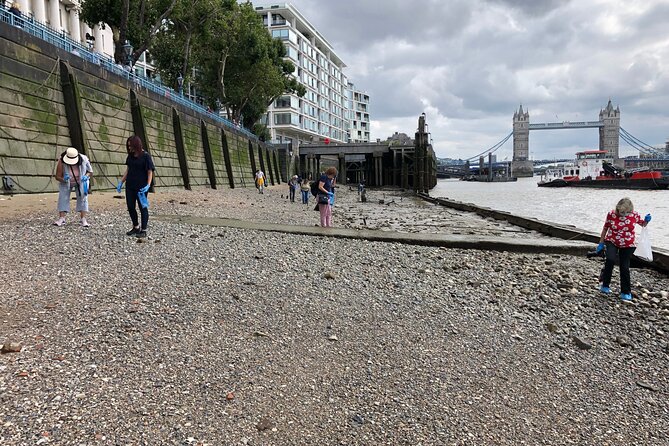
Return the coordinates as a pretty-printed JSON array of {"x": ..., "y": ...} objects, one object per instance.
[{"x": 578, "y": 206}]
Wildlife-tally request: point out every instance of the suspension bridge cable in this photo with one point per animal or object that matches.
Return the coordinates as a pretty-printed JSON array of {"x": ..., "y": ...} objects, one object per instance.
[
  {"x": 637, "y": 139},
  {"x": 635, "y": 145},
  {"x": 493, "y": 148}
]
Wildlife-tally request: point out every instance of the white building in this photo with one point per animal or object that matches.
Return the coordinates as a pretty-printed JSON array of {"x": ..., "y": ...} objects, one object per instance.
[
  {"x": 359, "y": 115},
  {"x": 63, "y": 16},
  {"x": 323, "y": 112}
]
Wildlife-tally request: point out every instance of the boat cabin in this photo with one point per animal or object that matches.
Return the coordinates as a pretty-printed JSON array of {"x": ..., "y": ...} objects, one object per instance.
[{"x": 589, "y": 163}]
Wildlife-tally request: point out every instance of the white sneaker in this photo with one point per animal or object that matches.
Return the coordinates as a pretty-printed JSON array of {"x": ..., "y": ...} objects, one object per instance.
[
  {"x": 59, "y": 222},
  {"x": 85, "y": 223}
]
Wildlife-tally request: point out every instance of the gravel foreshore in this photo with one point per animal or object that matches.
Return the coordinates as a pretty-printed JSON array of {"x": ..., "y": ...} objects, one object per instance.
[{"x": 218, "y": 336}]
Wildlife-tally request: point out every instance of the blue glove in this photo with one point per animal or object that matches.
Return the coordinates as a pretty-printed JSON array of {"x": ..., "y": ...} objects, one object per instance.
[
  {"x": 143, "y": 201},
  {"x": 145, "y": 189},
  {"x": 647, "y": 218},
  {"x": 85, "y": 184},
  {"x": 66, "y": 177},
  {"x": 119, "y": 186},
  {"x": 600, "y": 248}
]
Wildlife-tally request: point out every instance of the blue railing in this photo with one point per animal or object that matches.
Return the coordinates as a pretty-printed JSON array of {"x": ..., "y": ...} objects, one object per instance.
[{"x": 61, "y": 40}]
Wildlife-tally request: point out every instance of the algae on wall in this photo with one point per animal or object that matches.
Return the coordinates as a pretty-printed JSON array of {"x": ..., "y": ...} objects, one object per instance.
[{"x": 34, "y": 131}]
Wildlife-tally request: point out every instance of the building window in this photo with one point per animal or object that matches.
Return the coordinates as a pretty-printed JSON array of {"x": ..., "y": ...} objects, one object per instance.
[
  {"x": 282, "y": 102},
  {"x": 281, "y": 118},
  {"x": 282, "y": 34}
]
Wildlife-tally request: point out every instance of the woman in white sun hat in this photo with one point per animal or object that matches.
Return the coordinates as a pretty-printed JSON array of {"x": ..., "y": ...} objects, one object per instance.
[{"x": 73, "y": 172}]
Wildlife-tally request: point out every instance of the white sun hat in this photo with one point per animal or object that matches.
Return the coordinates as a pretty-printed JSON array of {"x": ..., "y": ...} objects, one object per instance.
[{"x": 71, "y": 156}]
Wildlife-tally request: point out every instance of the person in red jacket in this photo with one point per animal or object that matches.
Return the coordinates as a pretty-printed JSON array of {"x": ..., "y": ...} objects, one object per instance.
[{"x": 618, "y": 238}]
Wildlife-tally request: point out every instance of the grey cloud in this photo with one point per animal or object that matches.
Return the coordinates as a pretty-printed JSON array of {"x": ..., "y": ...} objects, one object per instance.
[{"x": 474, "y": 61}]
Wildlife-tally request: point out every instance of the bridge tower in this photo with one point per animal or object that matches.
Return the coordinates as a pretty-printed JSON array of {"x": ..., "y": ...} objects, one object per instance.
[
  {"x": 521, "y": 166},
  {"x": 609, "y": 133}
]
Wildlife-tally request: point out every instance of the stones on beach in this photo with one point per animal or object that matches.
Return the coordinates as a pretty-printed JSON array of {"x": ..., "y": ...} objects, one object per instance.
[
  {"x": 11, "y": 347},
  {"x": 623, "y": 341},
  {"x": 329, "y": 275},
  {"x": 551, "y": 327},
  {"x": 581, "y": 343},
  {"x": 648, "y": 386},
  {"x": 264, "y": 424},
  {"x": 449, "y": 357}
]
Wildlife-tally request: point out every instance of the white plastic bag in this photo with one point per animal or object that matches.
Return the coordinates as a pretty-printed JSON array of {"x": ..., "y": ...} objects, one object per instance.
[{"x": 643, "y": 249}]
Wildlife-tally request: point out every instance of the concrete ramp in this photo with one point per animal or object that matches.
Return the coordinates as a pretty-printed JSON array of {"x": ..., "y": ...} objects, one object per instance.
[{"x": 491, "y": 243}]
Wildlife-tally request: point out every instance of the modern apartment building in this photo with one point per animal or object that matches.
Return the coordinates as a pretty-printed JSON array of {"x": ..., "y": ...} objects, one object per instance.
[
  {"x": 325, "y": 112},
  {"x": 359, "y": 115}
]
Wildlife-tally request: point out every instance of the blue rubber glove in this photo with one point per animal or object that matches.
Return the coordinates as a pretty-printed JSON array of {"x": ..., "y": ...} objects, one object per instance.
[
  {"x": 85, "y": 184},
  {"x": 66, "y": 178},
  {"x": 119, "y": 186},
  {"x": 600, "y": 248},
  {"x": 647, "y": 218},
  {"x": 143, "y": 201},
  {"x": 145, "y": 189}
]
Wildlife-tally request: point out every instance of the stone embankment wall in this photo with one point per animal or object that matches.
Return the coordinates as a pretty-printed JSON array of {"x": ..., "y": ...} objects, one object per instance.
[{"x": 52, "y": 99}]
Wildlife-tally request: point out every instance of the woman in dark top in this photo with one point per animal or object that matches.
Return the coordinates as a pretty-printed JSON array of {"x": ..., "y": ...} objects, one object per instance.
[
  {"x": 326, "y": 195},
  {"x": 137, "y": 178}
]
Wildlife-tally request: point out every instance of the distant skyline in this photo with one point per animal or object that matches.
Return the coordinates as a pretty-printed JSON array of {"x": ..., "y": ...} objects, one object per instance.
[{"x": 469, "y": 64}]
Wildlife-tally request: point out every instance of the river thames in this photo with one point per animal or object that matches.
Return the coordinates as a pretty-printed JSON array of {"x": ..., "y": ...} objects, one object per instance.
[{"x": 581, "y": 207}]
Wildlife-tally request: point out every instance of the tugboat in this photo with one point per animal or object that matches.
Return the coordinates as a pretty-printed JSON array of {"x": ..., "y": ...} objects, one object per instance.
[{"x": 592, "y": 168}]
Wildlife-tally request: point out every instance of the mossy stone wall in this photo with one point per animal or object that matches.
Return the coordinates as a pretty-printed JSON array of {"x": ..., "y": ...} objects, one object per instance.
[{"x": 34, "y": 127}]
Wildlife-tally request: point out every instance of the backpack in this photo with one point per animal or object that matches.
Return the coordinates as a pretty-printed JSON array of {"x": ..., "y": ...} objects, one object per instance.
[{"x": 314, "y": 188}]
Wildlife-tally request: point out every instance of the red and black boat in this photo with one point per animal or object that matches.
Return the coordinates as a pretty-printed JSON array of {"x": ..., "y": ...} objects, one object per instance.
[{"x": 593, "y": 169}]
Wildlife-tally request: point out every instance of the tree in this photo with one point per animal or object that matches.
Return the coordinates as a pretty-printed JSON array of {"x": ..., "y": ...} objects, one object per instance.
[
  {"x": 243, "y": 66},
  {"x": 172, "y": 47},
  {"x": 137, "y": 21}
]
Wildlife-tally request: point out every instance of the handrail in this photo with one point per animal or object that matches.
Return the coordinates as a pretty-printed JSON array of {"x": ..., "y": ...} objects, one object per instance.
[{"x": 62, "y": 41}]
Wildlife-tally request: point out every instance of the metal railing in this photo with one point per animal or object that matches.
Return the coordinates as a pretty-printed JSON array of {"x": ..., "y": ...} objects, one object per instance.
[{"x": 62, "y": 41}]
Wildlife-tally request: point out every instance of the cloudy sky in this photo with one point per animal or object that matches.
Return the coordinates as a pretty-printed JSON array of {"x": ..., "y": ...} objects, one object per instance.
[{"x": 468, "y": 64}]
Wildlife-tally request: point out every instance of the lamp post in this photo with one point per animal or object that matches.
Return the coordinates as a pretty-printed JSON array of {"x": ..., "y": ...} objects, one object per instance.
[
  {"x": 180, "y": 83},
  {"x": 127, "y": 50}
]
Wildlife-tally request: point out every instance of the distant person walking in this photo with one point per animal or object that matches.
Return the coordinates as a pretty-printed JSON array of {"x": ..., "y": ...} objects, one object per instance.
[
  {"x": 260, "y": 181},
  {"x": 137, "y": 178},
  {"x": 618, "y": 238},
  {"x": 73, "y": 172},
  {"x": 325, "y": 196},
  {"x": 305, "y": 187},
  {"x": 293, "y": 184}
]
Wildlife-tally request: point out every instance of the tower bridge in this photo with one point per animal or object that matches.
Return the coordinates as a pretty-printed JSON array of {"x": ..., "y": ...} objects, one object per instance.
[{"x": 608, "y": 125}]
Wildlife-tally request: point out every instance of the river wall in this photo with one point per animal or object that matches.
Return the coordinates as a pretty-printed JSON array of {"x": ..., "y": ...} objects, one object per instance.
[{"x": 52, "y": 99}]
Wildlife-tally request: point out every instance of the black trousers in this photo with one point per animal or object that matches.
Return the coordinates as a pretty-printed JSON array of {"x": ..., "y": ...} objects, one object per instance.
[
  {"x": 291, "y": 192},
  {"x": 624, "y": 255},
  {"x": 132, "y": 201}
]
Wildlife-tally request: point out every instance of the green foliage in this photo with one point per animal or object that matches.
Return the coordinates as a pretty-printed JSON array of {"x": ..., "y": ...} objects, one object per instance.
[
  {"x": 134, "y": 20},
  {"x": 239, "y": 66}
]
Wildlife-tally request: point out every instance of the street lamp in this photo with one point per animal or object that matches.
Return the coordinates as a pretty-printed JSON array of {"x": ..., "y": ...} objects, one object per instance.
[
  {"x": 180, "y": 83},
  {"x": 127, "y": 50}
]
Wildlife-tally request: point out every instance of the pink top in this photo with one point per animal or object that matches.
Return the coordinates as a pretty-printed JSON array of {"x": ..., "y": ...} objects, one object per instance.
[
  {"x": 73, "y": 172},
  {"x": 621, "y": 229}
]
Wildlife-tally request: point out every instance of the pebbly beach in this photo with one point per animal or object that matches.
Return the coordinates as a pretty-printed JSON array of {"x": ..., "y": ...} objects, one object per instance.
[{"x": 223, "y": 335}]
